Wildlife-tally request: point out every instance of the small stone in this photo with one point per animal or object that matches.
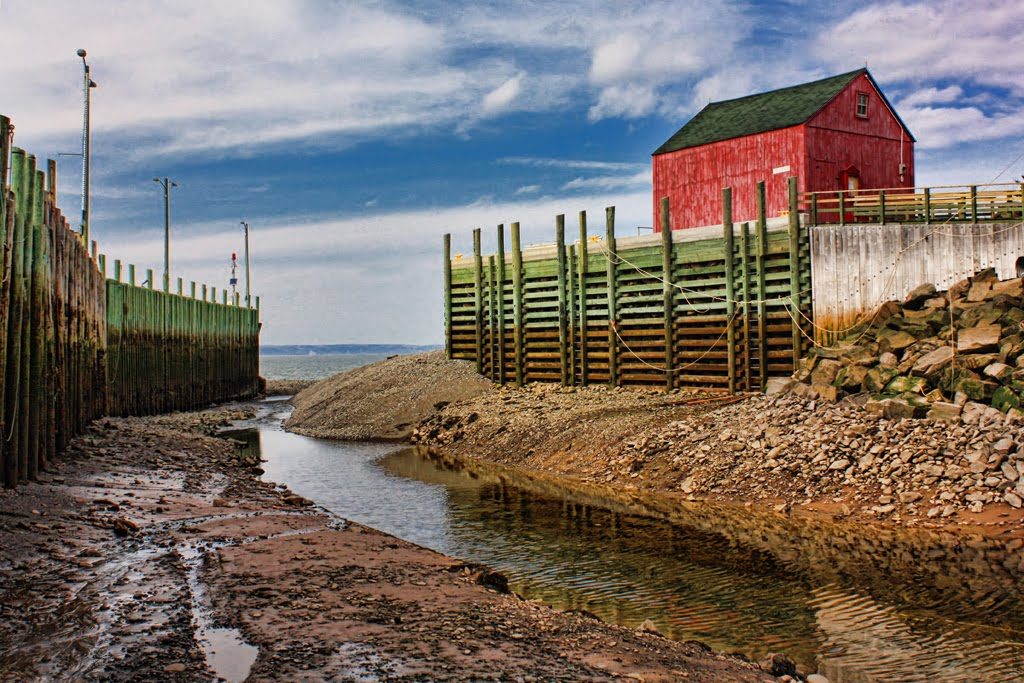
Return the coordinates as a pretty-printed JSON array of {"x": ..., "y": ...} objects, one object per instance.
[
  {"x": 778, "y": 385},
  {"x": 839, "y": 465},
  {"x": 909, "y": 497},
  {"x": 945, "y": 412},
  {"x": 816, "y": 678},
  {"x": 1012, "y": 499},
  {"x": 918, "y": 295},
  {"x": 175, "y": 668}
]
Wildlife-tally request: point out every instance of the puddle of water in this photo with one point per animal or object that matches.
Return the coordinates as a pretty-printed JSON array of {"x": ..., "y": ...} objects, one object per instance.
[
  {"x": 227, "y": 654},
  {"x": 858, "y": 603}
]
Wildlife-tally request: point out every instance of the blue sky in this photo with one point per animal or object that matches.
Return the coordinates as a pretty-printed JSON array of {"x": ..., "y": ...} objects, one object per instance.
[{"x": 351, "y": 136}]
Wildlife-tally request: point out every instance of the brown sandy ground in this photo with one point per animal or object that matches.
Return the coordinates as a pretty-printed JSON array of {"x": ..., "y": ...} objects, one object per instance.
[
  {"x": 777, "y": 452},
  {"x": 146, "y": 544},
  {"x": 384, "y": 400}
]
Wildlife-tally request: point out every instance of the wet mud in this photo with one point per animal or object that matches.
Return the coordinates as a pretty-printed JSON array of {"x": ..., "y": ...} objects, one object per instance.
[{"x": 154, "y": 553}]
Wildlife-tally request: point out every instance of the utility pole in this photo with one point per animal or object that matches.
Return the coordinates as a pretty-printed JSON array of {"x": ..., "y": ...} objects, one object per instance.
[
  {"x": 167, "y": 185},
  {"x": 87, "y": 85},
  {"x": 248, "y": 293}
]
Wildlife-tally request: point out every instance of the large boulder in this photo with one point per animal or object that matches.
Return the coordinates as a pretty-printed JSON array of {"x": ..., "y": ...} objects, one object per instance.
[
  {"x": 978, "y": 339},
  {"x": 918, "y": 296},
  {"x": 933, "y": 361},
  {"x": 878, "y": 377}
]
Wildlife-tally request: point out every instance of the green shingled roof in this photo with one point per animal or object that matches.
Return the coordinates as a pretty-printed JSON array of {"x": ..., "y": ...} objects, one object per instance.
[{"x": 758, "y": 113}]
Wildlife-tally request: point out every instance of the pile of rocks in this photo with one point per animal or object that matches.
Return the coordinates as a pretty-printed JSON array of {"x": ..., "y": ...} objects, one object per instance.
[
  {"x": 933, "y": 355},
  {"x": 799, "y": 450}
]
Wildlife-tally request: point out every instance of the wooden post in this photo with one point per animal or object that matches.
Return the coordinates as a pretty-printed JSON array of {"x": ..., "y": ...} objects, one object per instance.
[
  {"x": 501, "y": 304},
  {"x": 478, "y": 298},
  {"x": 881, "y": 207},
  {"x": 39, "y": 297},
  {"x": 668, "y": 293},
  {"x": 794, "y": 271},
  {"x": 762, "y": 322},
  {"x": 491, "y": 318},
  {"x": 974, "y": 203},
  {"x": 730, "y": 289},
  {"x": 842, "y": 208},
  {"x": 517, "y": 303},
  {"x": 611, "y": 276},
  {"x": 149, "y": 279},
  {"x": 117, "y": 269},
  {"x": 102, "y": 260},
  {"x": 563, "y": 333},
  {"x": 570, "y": 303},
  {"x": 927, "y": 205},
  {"x": 448, "y": 296},
  {"x": 814, "y": 208},
  {"x": 748, "y": 381},
  {"x": 181, "y": 287},
  {"x": 7, "y": 231},
  {"x": 131, "y": 275},
  {"x": 582, "y": 280}
]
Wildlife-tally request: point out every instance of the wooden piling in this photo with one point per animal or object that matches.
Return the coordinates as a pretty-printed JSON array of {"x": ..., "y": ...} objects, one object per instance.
[
  {"x": 501, "y": 304},
  {"x": 794, "y": 269},
  {"x": 748, "y": 382},
  {"x": 478, "y": 293},
  {"x": 762, "y": 319},
  {"x": 730, "y": 289},
  {"x": 582, "y": 279},
  {"x": 668, "y": 293},
  {"x": 563, "y": 333},
  {"x": 611, "y": 295},
  {"x": 517, "y": 302},
  {"x": 448, "y": 296}
]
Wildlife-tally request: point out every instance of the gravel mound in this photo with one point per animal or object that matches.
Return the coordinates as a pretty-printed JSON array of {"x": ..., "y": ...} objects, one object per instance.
[{"x": 384, "y": 400}]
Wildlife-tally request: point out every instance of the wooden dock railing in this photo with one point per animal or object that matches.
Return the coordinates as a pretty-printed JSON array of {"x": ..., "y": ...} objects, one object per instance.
[{"x": 941, "y": 204}]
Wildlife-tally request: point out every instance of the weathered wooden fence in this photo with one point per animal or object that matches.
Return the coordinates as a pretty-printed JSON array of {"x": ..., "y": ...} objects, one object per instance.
[
  {"x": 168, "y": 351},
  {"x": 722, "y": 307},
  {"x": 52, "y": 320},
  {"x": 858, "y": 266},
  {"x": 59, "y": 370},
  {"x": 940, "y": 204}
]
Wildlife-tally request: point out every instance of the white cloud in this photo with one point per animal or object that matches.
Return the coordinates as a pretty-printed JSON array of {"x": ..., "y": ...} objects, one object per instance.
[
  {"x": 924, "y": 96},
  {"x": 981, "y": 42},
  {"x": 609, "y": 182},
  {"x": 570, "y": 163},
  {"x": 528, "y": 189},
  {"x": 352, "y": 267},
  {"x": 501, "y": 98},
  {"x": 944, "y": 126}
]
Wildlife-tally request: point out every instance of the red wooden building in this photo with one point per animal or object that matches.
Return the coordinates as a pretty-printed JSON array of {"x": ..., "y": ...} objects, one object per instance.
[{"x": 836, "y": 133}]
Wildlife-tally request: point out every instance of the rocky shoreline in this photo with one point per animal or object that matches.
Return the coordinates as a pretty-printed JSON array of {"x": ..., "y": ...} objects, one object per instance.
[{"x": 152, "y": 551}]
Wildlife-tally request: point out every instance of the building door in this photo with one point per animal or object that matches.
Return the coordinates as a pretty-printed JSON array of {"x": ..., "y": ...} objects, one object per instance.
[{"x": 849, "y": 184}]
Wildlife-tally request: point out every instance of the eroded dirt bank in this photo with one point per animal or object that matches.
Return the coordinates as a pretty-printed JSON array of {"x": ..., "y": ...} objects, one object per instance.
[{"x": 152, "y": 552}]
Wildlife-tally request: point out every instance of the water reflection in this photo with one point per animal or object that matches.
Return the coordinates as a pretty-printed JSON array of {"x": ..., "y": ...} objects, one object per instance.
[{"x": 860, "y": 604}]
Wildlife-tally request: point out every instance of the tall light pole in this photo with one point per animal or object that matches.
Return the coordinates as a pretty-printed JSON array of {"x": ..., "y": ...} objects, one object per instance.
[
  {"x": 167, "y": 185},
  {"x": 87, "y": 85},
  {"x": 248, "y": 293}
]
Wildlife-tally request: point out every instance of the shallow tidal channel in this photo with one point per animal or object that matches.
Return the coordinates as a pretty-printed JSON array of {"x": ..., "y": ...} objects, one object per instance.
[{"x": 857, "y": 603}]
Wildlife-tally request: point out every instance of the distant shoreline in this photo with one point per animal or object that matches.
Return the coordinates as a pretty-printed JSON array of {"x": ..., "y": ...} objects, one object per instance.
[{"x": 342, "y": 349}]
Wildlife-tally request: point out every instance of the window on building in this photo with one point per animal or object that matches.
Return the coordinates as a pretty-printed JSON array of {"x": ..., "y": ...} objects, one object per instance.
[{"x": 862, "y": 105}]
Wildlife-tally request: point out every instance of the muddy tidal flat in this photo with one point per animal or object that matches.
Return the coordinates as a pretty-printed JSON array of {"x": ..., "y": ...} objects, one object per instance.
[{"x": 152, "y": 551}]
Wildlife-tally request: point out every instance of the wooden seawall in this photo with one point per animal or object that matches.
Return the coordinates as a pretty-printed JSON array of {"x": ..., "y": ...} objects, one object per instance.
[
  {"x": 723, "y": 307},
  {"x": 75, "y": 346}
]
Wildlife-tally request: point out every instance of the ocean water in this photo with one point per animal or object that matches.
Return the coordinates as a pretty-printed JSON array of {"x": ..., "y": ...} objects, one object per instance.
[{"x": 314, "y": 367}]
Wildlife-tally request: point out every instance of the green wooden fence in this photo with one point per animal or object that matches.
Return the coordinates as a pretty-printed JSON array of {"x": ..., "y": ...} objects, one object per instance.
[
  {"x": 59, "y": 370},
  {"x": 168, "y": 351},
  {"x": 724, "y": 309}
]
